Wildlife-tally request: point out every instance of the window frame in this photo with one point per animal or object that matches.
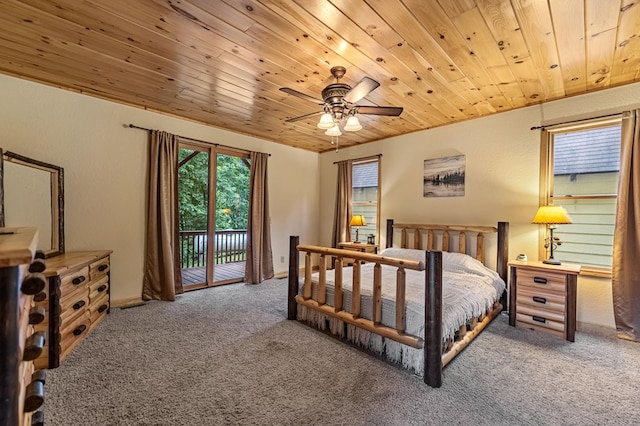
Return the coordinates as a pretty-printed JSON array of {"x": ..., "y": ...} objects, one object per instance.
[{"x": 547, "y": 177}]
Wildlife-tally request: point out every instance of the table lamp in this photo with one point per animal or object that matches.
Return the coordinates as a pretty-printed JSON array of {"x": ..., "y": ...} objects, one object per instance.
[
  {"x": 357, "y": 220},
  {"x": 551, "y": 216}
]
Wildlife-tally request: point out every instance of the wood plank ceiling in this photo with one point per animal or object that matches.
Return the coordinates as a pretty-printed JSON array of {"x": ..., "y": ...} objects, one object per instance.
[{"x": 222, "y": 62}]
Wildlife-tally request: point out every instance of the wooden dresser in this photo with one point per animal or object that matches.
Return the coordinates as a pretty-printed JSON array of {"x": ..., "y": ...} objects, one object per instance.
[
  {"x": 543, "y": 297},
  {"x": 21, "y": 388},
  {"x": 76, "y": 299}
]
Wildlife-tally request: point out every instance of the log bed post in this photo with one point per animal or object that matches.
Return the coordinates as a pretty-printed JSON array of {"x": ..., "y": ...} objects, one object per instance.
[
  {"x": 389, "y": 237},
  {"x": 294, "y": 268},
  {"x": 503, "y": 257},
  {"x": 433, "y": 320}
]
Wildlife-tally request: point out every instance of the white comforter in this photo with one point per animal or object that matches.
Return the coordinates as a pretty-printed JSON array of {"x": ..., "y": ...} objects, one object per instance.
[{"x": 469, "y": 290}]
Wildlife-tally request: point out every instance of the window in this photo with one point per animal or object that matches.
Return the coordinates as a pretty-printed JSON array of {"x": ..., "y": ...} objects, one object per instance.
[
  {"x": 582, "y": 169},
  {"x": 365, "y": 198}
]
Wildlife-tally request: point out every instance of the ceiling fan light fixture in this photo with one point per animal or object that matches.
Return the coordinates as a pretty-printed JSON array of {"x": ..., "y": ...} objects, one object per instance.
[
  {"x": 353, "y": 124},
  {"x": 326, "y": 121},
  {"x": 334, "y": 131}
]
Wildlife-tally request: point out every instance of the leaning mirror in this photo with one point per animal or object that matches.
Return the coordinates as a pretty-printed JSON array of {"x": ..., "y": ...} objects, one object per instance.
[{"x": 32, "y": 194}]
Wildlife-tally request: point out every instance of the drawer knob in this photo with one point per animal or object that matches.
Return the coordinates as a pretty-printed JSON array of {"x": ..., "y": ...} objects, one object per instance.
[
  {"x": 103, "y": 308},
  {"x": 36, "y": 315},
  {"x": 102, "y": 288},
  {"x": 34, "y": 396},
  {"x": 33, "y": 346},
  {"x": 79, "y": 330},
  {"x": 79, "y": 305},
  {"x": 539, "y": 319},
  {"x": 39, "y": 297},
  {"x": 78, "y": 280},
  {"x": 539, "y": 299},
  {"x": 37, "y": 419},
  {"x": 33, "y": 283},
  {"x": 37, "y": 265},
  {"x": 39, "y": 376},
  {"x": 39, "y": 254},
  {"x": 539, "y": 280},
  {"x": 103, "y": 268}
]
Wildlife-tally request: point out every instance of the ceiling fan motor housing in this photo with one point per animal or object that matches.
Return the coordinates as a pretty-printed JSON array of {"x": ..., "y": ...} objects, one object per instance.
[{"x": 332, "y": 96}]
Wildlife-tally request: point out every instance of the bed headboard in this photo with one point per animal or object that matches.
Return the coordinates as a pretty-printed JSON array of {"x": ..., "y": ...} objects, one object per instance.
[{"x": 453, "y": 238}]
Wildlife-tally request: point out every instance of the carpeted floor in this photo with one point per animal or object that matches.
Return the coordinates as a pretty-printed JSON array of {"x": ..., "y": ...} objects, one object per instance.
[{"x": 227, "y": 355}]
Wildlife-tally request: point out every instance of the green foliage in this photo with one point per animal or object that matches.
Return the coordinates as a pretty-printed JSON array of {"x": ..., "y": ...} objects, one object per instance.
[{"x": 232, "y": 192}]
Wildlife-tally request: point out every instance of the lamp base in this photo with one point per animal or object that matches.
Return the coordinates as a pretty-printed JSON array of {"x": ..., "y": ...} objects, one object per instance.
[{"x": 552, "y": 262}]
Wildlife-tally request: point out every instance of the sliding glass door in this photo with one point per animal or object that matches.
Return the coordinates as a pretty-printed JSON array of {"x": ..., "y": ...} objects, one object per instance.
[{"x": 213, "y": 194}]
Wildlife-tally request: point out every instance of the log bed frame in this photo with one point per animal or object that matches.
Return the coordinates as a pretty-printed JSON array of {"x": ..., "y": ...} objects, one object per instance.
[{"x": 436, "y": 354}]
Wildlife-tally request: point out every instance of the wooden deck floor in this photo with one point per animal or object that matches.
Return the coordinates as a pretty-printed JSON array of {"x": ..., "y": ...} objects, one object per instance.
[{"x": 222, "y": 272}]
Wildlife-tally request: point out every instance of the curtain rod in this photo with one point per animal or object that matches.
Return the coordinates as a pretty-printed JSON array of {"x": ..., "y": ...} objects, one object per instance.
[
  {"x": 575, "y": 121},
  {"x": 133, "y": 126},
  {"x": 363, "y": 158}
]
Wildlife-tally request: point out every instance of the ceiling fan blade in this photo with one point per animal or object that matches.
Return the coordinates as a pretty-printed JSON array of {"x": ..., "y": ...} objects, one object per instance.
[
  {"x": 379, "y": 110},
  {"x": 302, "y": 117},
  {"x": 360, "y": 90},
  {"x": 301, "y": 95}
]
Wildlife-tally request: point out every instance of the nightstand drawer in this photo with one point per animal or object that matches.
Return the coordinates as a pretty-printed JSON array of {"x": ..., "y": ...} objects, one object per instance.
[
  {"x": 541, "y": 316},
  {"x": 541, "y": 299},
  {"x": 541, "y": 323},
  {"x": 542, "y": 280}
]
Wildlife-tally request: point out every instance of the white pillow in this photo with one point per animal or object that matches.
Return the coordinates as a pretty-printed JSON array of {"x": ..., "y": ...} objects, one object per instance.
[{"x": 403, "y": 253}]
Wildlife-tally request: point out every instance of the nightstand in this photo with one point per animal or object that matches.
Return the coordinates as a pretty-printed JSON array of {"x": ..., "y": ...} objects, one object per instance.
[
  {"x": 361, "y": 247},
  {"x": 543, "y": 297}
]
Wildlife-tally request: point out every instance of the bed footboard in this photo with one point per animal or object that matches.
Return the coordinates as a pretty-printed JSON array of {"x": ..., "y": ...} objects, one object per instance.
[{"x": 432, "y": 342}]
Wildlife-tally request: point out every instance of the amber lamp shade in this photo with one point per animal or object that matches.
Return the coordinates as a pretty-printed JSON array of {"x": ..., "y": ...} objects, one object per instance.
[
  {"x": 357, "y": 221},
  {"x": 551, "y": 216}
]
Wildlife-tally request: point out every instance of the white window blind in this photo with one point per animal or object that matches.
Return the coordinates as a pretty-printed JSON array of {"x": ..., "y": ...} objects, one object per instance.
[
  {"x": 364, "y": 183},
  {"x": 585, "y": 170}
]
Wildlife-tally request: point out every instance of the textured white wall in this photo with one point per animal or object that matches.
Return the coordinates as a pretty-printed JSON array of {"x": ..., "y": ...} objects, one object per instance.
[
  {"x": 105, "y": 166},
  {"x": 502, "y": 178}
]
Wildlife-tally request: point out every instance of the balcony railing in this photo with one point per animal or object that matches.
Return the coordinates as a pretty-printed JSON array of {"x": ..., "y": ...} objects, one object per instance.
[{"x": 229, "y": 246}]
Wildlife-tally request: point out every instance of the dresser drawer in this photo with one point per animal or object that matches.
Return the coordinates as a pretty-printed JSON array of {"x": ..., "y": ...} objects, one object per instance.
[
  {"x": 99, "y": 268},
  {"x": 548, "y": 281},
  {"x": 99, "y": 308},
  {"x": 71, "y": 282},
  {"x": 542, "y": 299},
  {"x": 72, "y": 308},
  {"x": 98, "y": 288},
  {"x": 74, "y": 331}
]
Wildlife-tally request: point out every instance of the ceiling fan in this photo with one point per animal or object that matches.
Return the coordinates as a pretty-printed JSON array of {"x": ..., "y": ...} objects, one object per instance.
[{"x": 339, "y": 102}]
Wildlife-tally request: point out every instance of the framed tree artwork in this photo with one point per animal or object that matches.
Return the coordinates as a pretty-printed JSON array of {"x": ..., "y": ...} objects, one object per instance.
[{"x": 444, "y": 177}]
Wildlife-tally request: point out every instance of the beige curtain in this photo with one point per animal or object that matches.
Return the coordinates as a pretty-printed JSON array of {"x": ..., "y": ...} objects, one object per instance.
[
  {"x": 342, "y": 214},
  {"x": 259, "y": 266},
  {"x": 162, "y": 279},
  {"x": 626, "y": 238}
]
